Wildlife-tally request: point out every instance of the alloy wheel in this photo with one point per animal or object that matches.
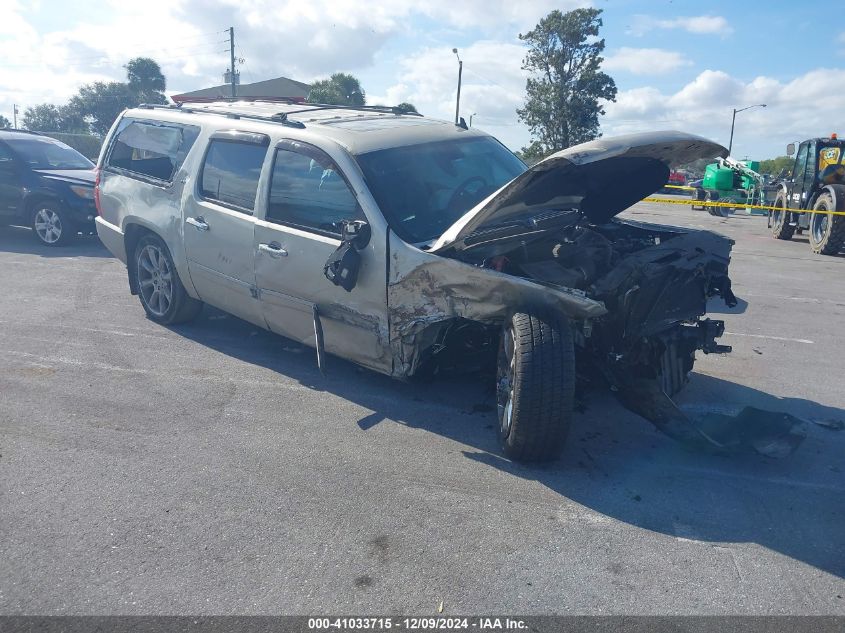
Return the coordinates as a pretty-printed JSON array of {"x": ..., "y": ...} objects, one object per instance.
[
  {"x": 48, "y": 226},
  {"x": 505, "y": 381},
  {"x": 155, "y": 280}
]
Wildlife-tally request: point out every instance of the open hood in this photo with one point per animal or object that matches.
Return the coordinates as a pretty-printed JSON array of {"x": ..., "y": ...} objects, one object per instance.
[{"x": 600, "y": 179}]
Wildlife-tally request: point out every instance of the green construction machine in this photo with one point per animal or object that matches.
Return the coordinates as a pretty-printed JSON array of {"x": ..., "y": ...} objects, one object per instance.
[{"x": 732, "y": 182}]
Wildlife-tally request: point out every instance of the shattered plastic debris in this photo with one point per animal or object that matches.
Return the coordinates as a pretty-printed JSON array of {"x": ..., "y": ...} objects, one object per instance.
[{"x": 769, "y": 433}]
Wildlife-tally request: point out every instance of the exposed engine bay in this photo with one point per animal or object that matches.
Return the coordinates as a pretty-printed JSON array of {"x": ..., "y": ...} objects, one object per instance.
[{"x": 654, "y": 281}]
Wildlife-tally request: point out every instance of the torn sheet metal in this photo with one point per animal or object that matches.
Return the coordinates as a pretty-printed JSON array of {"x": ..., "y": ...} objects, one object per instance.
[{"x": 426, "y": 289}]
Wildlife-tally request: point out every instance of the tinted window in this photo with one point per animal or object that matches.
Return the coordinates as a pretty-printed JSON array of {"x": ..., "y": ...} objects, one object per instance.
[
  {"x": 46, "y": 153},
  {"x": 230, "y": 173},
  {"x": 800, "y": 162},
  {"x": 424, "y": 189},
  {"x": 151, "y": 149},
  {"x": 307, "y": 190}
]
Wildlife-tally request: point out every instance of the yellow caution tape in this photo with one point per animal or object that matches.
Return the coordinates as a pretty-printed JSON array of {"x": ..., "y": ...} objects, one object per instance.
[
  {"x": 679, "y": 187},
  {"x": 735, "y": 205}
]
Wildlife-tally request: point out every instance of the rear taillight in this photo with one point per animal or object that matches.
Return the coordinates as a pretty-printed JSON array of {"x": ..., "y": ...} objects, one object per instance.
[{"x": 97, "y": 190}]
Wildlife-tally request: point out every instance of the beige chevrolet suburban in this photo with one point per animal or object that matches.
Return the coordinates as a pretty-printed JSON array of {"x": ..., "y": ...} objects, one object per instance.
[{"x": 410, "y": 245}]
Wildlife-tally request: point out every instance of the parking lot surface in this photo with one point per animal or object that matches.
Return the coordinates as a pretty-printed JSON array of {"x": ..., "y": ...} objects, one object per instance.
[{"x": 210, "y": 469}]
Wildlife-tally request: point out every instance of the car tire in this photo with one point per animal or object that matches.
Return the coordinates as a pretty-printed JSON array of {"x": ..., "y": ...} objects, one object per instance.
[
  {"x": 51, "y": 225},
  {"x": 535, "y": 386},
  {"x": 827, "y": 231},
  {"x": 781, "y": 228},
  {"x": 162, "y": 294}
]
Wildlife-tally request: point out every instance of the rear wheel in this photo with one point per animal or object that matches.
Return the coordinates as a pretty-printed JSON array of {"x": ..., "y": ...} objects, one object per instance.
[
  {"x": 781, "y": 228},
  {"x": 827, "y": 231},
  {"x": 51, "y": 225},
  {"x": 160, "y": 290},
  {"x": 535, "y": 386}
]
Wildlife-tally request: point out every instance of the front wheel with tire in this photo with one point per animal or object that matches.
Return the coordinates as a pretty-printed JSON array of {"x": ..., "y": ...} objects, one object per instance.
[
  {"x": 535, "y": 386},
  {"x": 781, "y": 228},
  {"x": 51, "y": 225},
  {"x": 827, "y": 231},
  {"x": 162, "y": 294}
]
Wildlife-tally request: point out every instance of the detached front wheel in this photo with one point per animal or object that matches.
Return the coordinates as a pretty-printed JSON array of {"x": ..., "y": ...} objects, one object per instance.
[{"x": 535, "y": 386}]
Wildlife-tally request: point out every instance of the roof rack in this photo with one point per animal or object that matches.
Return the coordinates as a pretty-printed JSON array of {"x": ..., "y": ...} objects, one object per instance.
[
  {"x": 363, "y": 108},
  {"x": 279, "y": 117}
]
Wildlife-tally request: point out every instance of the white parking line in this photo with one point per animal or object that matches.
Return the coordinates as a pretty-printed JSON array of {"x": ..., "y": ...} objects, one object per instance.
[{"x": 773, "y": 338}]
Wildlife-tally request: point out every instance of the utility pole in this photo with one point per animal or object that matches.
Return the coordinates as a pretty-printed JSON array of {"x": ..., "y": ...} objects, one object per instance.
[
  {"x": 15, "y": 116},
  {"x": 232, "y": 58}
]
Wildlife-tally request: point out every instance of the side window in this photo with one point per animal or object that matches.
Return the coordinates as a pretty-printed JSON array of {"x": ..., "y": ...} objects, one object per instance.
[
  {"x": 800, "y": 163},
  {"x": 308, "y": 191},
  {"x": 230, "y": 173},
  {"x": 151, "y": 149}
]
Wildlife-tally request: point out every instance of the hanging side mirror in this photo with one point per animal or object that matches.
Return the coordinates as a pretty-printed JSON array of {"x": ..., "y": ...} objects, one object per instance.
[
  {"x": 790, "y": 149},
  {"x": 342, "y": 267}
]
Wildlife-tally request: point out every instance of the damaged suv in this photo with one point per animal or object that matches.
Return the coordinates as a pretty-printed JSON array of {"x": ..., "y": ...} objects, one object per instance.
[{"x": 413, "y": 246}]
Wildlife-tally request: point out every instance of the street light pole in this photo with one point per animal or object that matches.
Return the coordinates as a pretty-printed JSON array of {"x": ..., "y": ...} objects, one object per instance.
[
  {"x": 460, "y": 72},
  {"x": 470, "y": 118},
  {"x": 733, "y": 122}
]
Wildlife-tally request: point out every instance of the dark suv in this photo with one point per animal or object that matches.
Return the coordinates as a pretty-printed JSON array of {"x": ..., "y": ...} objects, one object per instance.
[{"x": 46, "y": 185}]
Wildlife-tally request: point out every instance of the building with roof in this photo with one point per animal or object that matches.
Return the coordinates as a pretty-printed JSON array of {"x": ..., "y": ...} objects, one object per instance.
[{"x": 278, "y": 87}]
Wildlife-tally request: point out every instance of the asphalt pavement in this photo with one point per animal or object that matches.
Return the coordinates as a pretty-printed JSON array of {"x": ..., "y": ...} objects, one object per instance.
[{"x": 210, "y": 469}]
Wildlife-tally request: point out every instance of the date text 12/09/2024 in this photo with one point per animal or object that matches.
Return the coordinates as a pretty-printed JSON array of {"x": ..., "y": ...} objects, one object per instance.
[{"x": 415, "y": 624}]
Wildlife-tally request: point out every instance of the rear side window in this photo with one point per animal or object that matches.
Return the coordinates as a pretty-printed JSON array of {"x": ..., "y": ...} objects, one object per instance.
[
  {"x": 151, "y": 150},
  {"x": 230, "y": 173}
]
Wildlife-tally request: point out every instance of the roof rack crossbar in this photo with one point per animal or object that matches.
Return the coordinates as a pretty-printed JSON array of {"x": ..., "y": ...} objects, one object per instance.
[{"x": 362, "y": 108}]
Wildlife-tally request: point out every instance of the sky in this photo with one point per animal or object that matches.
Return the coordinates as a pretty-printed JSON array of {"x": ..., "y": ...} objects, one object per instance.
[{"x": 677, "y": 64}]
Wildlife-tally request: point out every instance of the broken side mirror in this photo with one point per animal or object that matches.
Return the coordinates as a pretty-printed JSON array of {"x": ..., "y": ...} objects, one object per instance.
[
  {"x": 342, "y": 267},
  {"x": 790, "y": 149},
  {"x": 356, "y": 232}
]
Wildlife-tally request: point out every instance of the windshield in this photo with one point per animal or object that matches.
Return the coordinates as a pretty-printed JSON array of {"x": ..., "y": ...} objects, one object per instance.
[
  {"x": 44, "y": 153},
  {"x": 424, "y": 189}
]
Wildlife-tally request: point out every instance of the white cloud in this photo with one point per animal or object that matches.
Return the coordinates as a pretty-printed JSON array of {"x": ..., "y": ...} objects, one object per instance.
[
  {"x": 301, "y": 39},
  {"x": 645, "y": 61},
  {"x": 698, "y": 24},
  {"x": 492, "y": 87},
  {"x": 796, "y": 109}
]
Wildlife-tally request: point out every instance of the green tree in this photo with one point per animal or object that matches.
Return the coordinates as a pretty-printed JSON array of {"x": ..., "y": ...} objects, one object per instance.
[
  {"x": 48, "y": 117},
  {"x": 775, "y": 165},
  {"x": 4, "y": 122},
  {"x": 562, "y": 101},
  {"x": 406, "y": 108},
  {"x": 339, "y": 89},
  {"x": 146, "y": 80},
  {"x": 100, "y": 103}
]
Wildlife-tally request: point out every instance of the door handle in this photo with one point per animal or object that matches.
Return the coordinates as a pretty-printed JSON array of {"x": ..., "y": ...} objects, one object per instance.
[
  {"x": 273, "y": 249},
  {"x": 199, "y": 223}
]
